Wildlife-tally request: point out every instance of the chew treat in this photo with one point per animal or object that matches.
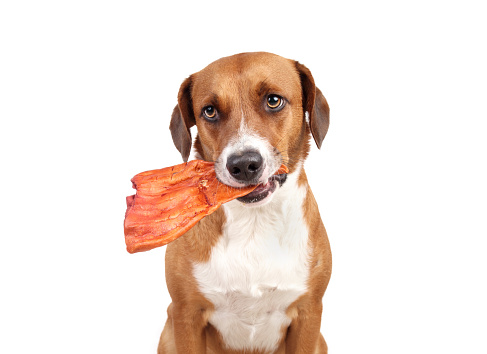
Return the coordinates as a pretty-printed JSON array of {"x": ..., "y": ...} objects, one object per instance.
[{"x": 170, "y": 201}]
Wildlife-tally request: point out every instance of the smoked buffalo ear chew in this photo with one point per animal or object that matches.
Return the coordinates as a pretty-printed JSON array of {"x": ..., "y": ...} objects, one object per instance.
[{"x": 171, "y": 200}]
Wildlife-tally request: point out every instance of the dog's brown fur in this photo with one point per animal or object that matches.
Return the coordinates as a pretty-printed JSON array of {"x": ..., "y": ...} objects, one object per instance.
[{"x": 235, "y": 86}]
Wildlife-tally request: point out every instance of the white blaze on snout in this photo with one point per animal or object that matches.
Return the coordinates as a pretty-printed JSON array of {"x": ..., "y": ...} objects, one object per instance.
[{"x": 247, "y": 140}]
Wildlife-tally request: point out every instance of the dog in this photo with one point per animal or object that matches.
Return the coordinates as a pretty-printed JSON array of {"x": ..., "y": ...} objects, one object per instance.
[{"x": 250, "y": 277}]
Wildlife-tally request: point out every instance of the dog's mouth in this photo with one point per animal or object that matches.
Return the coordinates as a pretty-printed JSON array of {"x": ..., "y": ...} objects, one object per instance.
[{"x": 263, "y": 191}]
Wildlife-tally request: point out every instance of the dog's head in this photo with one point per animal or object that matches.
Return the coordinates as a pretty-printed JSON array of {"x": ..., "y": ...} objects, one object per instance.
[{"x": 253, "y": 112}]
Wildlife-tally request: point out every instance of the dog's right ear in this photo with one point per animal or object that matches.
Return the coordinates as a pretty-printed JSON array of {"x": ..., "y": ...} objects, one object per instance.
[{"x": 182, "y": 119}]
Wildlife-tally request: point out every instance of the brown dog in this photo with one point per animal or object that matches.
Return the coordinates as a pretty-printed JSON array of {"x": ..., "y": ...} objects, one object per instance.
[{"x": 250, "y": 277}]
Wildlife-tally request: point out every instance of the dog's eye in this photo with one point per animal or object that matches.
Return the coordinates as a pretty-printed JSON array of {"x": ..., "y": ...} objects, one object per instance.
[
  {"x": 274, "y": 101},
  {"x": 209, "y": 112}
]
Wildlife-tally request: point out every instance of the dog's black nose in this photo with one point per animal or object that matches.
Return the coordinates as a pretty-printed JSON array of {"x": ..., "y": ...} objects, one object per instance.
[{"x": 245, "y": 167}]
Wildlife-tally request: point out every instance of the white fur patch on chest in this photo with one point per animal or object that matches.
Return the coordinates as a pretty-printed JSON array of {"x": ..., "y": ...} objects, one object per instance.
[{"x": 257, "y": 269}]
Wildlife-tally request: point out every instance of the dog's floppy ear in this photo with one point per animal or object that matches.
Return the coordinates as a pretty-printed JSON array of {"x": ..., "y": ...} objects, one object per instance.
[
  {"x": 315, "y": 104},
  {"x": 182, "y": 119}
]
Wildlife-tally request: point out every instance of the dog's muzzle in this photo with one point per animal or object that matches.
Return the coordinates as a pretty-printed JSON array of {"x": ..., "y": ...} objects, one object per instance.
[{"x": 250, "y": 167}]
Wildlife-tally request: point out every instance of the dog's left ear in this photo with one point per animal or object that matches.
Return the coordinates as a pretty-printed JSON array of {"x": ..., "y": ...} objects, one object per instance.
[
  {"x": 315, "y": 104},
  {"x": 182, "y": 119}
]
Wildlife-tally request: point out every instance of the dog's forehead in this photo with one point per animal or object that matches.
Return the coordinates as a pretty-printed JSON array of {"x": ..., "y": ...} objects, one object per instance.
[{"x": 247, "y": 71}]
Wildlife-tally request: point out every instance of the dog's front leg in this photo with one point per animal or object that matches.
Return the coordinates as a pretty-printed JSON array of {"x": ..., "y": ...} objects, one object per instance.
[
  {"x": 303, "y": 335},
  {"x": 189, "y": 324}
]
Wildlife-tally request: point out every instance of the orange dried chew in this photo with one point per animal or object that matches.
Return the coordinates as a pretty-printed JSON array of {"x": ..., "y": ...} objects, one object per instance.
[{"x": 170, "y": 201}]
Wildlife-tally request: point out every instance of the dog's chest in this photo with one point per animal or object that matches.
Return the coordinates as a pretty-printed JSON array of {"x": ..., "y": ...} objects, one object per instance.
[{"x": 256, "y": 270}]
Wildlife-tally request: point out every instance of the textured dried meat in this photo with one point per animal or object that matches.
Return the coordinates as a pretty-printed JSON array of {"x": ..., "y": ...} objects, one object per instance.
[{"x": 170, "y": 201}]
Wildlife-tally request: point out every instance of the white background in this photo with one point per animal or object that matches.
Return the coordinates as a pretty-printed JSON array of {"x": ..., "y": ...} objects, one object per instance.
[{"x": 86, "y": 93}]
